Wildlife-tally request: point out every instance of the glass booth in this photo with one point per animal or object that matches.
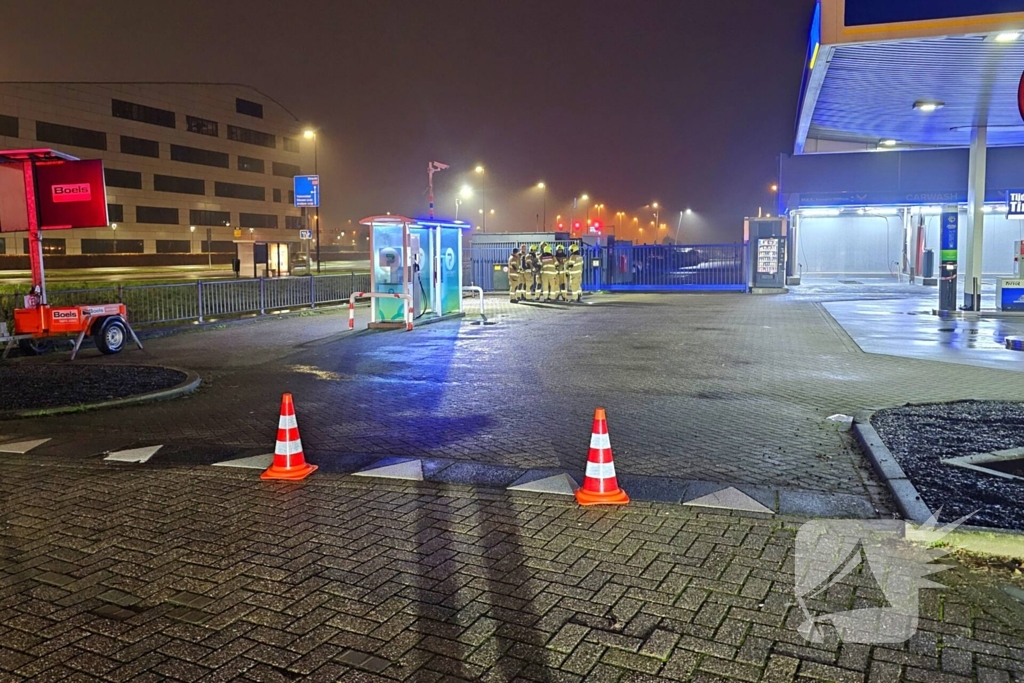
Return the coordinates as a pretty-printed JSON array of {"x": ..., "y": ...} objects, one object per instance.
[{"x": 419, "y": 257}]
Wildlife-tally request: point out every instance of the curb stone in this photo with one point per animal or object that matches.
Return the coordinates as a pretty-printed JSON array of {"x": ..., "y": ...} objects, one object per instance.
[
  {"x": 986, "y": 540},
  {"x": 190, "y": 384}
]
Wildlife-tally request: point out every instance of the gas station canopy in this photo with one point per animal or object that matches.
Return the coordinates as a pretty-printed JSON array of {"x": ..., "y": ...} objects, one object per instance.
[{"x": 913, "y": 73}]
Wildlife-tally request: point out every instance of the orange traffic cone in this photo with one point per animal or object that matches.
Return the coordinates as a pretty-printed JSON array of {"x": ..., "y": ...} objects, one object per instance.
[
  {"x": 599, "y": 485},
  {"x": 289, "y": 461}
]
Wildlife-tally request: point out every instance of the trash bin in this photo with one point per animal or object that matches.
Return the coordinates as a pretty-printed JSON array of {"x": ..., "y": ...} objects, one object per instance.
[{"x": 928, "y": 264}]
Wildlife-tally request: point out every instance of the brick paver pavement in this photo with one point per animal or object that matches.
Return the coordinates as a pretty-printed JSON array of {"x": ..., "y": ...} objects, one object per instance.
[
  {"x": 127, "y": 574},
  {"x": 727, "y": 388}
]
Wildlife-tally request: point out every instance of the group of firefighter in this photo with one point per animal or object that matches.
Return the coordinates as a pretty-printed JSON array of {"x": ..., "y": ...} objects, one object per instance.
[{"x": 543, "y": 274}]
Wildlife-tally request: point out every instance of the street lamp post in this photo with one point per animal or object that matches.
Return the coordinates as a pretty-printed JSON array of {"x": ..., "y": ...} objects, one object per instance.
[
  {"x": 311, "y": 135},
  {"x": 465, "y": 193},
  {"x": 680, "y": 223},
  {"x": 572, "y": 212},
  {"x": 192, "y": 239},
  {"x": 544, "y": 193},
  {"x": 483, "y": 200}
]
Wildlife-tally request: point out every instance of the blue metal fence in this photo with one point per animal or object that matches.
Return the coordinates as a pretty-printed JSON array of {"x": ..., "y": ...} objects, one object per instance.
[{"x": 626, "y": 267}]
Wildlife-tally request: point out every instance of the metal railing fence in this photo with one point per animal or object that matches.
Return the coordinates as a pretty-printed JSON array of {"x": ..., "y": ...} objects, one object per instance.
[
  {"x": 628, "y": 267},
  {"x": 199, "y": 300}
]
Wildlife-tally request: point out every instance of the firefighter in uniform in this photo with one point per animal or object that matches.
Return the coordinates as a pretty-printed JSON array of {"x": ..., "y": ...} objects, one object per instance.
[
  {"x": 574, "y": 274},
  {"x": 531, "y": 285},
  {"x": 548, "y": 273},
  {"x": 514, "y": 269},
  {"x": 560, "y": 264}
]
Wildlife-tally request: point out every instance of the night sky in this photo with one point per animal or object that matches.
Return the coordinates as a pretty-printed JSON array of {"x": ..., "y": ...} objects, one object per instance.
[{"x": 686, "y": 102}]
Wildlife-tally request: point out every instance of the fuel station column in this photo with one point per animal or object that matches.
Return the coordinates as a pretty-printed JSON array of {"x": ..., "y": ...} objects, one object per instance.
[{"x": 948, "y": 258}]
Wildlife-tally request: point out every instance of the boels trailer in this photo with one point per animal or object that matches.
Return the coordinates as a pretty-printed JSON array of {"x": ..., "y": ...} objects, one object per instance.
[{"x": 42, "y": 189}]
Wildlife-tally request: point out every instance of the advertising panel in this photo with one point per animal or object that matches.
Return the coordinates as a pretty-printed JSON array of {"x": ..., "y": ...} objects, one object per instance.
[
  {"x": 850, "y": 21},
  {"x": 72, "y": 194}
]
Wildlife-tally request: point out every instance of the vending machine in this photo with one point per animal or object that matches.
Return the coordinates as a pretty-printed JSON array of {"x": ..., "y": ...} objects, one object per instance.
[{"x": 765, "y": 239}]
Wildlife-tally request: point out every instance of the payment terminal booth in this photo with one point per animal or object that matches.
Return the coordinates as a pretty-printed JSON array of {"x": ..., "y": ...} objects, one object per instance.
[{"x": 418, "y": 257}]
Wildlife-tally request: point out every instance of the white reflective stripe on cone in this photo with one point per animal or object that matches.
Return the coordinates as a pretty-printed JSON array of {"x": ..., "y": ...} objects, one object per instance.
[
  {"x": 601, "y": 470},
  {"x": 287, "y": 422},
  {"x": 288, "y": 447},
  {"x": 600, "y": 441}
]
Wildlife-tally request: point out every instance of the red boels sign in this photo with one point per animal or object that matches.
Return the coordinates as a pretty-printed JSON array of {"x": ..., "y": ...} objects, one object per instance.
[{"x": 72, "y": 194}]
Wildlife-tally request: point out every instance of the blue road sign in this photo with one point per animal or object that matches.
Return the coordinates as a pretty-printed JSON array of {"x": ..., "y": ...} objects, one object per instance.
[{"x": 307, "y": 190}]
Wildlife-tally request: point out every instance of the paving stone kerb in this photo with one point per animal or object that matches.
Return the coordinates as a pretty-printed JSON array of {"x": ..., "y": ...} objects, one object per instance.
[
  {"x": 725, "y": 388},
  {"x": 162, "y": 574},
  {"x": 190, "y": 381},
  {"x": 979, "y": 539}
]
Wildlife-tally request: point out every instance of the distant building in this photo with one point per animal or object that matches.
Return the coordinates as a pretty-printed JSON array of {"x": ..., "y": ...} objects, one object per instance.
[{"x": 176, "y": 155}]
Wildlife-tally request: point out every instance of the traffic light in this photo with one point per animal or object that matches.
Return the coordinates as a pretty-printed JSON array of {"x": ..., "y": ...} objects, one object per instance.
[
  {"x": 576, "y": 226},
  {"x": 561, "y": 226},
  {"x": 597, "y": 226}
]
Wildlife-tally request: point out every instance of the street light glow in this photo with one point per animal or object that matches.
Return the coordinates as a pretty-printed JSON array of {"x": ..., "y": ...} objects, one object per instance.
[
  {"x": 585, "y": 197},
  {"x": 466, "y": 192},
  {"x": 689, "y": 212},
  {"x": 309, "y": 133},
  {"x": 541, "y": 185},
  {"x": 655, "y": 205},
  {"x": 479, "y": 169}
]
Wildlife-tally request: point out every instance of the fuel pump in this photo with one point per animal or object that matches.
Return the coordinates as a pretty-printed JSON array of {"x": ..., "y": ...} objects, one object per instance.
[{"x": 948, "y": 258}]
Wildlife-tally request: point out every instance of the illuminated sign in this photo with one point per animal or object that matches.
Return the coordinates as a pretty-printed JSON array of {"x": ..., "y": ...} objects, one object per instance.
[
  {"x": 307, "y": 190},
  {"x": 1015, "y": 204},
  {"x": 869, "y": 12},
  {"x": 950, "y": 233},
  {"x": 72, "y": 194},
  {"x": 76, "y": 192}
]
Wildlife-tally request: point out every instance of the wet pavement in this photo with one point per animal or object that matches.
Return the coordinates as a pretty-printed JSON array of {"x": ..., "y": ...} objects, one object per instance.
[
  {"x": 907, "y": 328},
  {"x": 171, "y": 569},
  {"x": 726, "y": 389}
]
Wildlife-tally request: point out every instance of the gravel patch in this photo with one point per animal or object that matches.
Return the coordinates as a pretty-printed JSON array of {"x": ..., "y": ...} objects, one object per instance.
[
  {"x": 922, "y": 435},
  {"x": 40, "y": 385}
]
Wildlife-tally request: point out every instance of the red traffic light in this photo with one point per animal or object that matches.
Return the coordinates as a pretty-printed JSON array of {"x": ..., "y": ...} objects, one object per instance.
[
  {"x": 597, "y": 226},
  {"x": 577, "y": 225},
  {"x": 561, "y": 225}
]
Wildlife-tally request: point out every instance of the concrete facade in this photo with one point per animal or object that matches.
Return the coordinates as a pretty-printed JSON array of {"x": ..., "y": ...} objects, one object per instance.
[{"x": 221, "y": 156}]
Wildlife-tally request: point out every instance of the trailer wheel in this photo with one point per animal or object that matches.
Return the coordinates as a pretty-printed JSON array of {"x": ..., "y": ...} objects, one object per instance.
[
  {"x": 110, "y": 336},
  {"x": 35, "y": 347}
]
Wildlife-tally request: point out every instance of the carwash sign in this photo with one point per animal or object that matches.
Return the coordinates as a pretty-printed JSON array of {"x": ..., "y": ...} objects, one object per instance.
[{"x": 1015, "y": 204}]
